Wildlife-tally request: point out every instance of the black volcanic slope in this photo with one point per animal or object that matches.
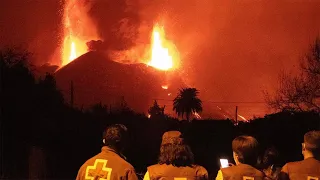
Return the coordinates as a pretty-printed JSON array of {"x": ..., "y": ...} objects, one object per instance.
[{"x": 99, "y": 79}]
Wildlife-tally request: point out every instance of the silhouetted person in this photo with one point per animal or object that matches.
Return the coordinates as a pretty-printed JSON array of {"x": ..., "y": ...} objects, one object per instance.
[
  {"x": 245, "y": 154},
  {"x": 109, "y": 164},
  {"x": 175, "y": 161},
  {"x": 269, "y": 163},
  {"x": 309, "y": 168}
]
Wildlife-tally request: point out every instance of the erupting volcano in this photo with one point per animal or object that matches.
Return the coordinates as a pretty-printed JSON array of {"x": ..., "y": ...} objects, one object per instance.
[
  {"x": 97, "y": 77},
  {"x": 79, "y": 29}
]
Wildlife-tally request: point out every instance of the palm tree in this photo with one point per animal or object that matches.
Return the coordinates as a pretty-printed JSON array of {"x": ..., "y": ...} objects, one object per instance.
[{"x": 187, "y": 102}]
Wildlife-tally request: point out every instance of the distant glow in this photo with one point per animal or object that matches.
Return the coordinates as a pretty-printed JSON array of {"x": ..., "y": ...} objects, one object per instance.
[
  {"x": 197, "y": 115},
  {"x": 242, "y": 117},
  {"x": 169, "y": 94},
  {"x": 149, "y": 116},
  {"x": 164, "y": 87}
]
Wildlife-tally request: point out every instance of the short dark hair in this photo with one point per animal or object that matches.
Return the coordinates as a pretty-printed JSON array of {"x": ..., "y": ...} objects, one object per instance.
[
  {"x": 115, "y": 135},
  {"x": 270, "y": 157},
  {"x": 312, "y": 142},
  {"x": 247, "y": 149},
  {"x": 176, "y": 154}
]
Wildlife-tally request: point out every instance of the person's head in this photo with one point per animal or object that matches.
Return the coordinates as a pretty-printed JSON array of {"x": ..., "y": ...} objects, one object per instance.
[
  {"x": 174, "y": 151},
  {"x": 311, "y": 144},
  {"x": 245, "y": 150},
  {"x": 115, "y": 137},
  {"x": 270, "y": 157}
]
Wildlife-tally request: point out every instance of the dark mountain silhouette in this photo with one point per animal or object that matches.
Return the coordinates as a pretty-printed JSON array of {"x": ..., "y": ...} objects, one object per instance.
[
  {"x": 96, "y": 78},
  {"x": 41, "y": 71}
]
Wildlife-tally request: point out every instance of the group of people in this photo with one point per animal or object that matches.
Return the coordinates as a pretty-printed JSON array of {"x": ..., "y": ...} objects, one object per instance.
[{"x": 176, "y": 160}]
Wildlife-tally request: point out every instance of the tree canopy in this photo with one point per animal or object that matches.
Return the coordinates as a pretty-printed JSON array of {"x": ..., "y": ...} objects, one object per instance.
[
  {"x": 300, "y": 92},
  {"x": 187, "y": 102}
]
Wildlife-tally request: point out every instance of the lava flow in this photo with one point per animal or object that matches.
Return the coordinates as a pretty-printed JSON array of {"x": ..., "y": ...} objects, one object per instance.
[{"x": 162, "y": 52}]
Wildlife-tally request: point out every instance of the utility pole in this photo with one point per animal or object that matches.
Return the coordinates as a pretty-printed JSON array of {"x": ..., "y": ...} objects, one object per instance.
[
  {"x": 236, "y": 115},
  {"x": 1, "y": 148},
  {"x": 71, "y": 93}
]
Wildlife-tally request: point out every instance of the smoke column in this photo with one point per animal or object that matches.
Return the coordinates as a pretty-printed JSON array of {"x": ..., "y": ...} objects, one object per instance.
[{"x": 78, "y": 29}]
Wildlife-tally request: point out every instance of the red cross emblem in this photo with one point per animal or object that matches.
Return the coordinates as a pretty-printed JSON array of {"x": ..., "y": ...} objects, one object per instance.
[{"x": 98, "y": 170}]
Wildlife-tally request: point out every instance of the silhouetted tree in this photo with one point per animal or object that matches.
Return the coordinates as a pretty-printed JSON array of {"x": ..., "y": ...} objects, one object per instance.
[
  {"x": 122, "y": 107},
  {"x": 187, "y": 102},
  {"x": 16, "y": 94},
  {"x": 99, "y": 109},
  {"x": 49, "y": 98},
  {"x": 300, "y": 92},
  {"x": 156, "y": 111},
  {"x": 29, "y": 109}
]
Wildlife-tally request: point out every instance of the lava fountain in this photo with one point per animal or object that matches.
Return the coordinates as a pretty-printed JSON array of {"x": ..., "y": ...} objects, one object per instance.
[
  {"x": 73, "y": 53},
  {"x": 163, "y": 53},
  {"x": 78, "y": 29}
]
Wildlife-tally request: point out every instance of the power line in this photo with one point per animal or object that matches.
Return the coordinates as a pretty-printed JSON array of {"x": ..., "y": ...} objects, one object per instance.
[
  {"x": 162, "y": 99},
  {"x": 222, "y": 102}
]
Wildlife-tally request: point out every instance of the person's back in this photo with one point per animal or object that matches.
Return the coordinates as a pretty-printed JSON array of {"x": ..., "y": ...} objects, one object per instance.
[
  {"x": 175, "y": 161},
  {"x": 242, "y": 172},
  {"x": 109, "y": 164},
  {"x": 245, "y": 153},
  {"x": 170, "y": 172},
  {"x": 309, "y": 168}
]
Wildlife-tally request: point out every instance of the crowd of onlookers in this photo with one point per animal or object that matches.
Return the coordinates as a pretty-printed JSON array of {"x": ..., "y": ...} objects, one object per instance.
[{"x": 176, "y": 160}]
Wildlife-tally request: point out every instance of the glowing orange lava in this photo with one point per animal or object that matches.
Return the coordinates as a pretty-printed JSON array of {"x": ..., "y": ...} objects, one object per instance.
[
  {"x": 164, "y": 87},
  {"x": 161, "y": 50},
  {"x": 243, "y": 118},
  {"x": 73, "y": 53},
  {"x": 72, "y": 49},
  {"x": 197, "y": 115}
]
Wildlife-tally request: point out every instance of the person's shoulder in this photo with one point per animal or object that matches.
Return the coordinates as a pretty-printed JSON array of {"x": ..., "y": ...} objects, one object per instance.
[
  {"x": 87, "y": 163},
  {"x": 155, "y": 166},
  {"x": 125, "y": 164},
  {"x": 230, "y": 168},
  {"x": 303, "y": 163},
  {"x": 294, "y": 163},
  {"x": 199, "y": 168},
  {"x": 241, "y": 168},
  {"x": 91, "y": 160}
]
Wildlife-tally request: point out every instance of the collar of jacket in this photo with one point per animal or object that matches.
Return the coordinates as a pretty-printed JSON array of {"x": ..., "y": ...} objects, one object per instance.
[{"x": 107, "y": 149}]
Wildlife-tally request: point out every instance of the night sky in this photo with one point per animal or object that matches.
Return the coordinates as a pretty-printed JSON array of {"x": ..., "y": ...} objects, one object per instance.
[{"x": 230, "y": 50}]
